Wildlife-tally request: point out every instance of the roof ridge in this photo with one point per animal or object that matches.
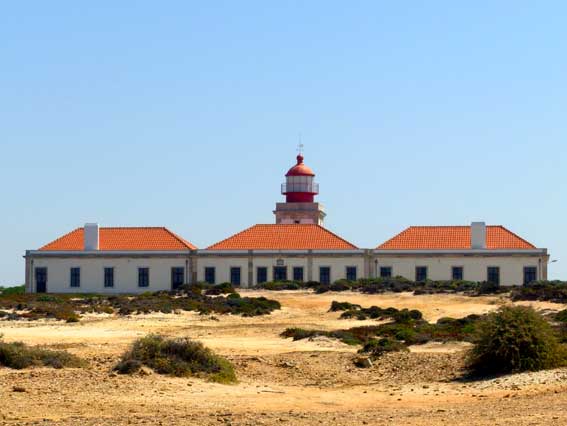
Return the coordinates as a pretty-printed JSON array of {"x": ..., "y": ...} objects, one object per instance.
[
  {"x": 515, "y": 235},
  {"x": 186, "y": 243},
  {"x": 336, "y": 236},
  {"x": 61, "y": 237},
  {"x": 232, "y": 236}
]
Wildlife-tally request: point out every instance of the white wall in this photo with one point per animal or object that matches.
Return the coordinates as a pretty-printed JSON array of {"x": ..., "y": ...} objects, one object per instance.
[
  {"x": 92, "y": 273},
  {"x": 222, "y": 265},
  {"x": 126, "y": 269},
  {"x": 474, "y": 268},
  {"x": 338, "y": 266}
]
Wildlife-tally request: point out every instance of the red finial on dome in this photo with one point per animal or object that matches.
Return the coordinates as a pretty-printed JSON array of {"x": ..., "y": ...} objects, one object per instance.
[{"x": 300, "y": 169}]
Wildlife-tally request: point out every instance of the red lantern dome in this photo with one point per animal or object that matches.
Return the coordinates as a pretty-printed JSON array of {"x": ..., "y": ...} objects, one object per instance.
[
  {"x": 300, "y": 186},
  {"x": 300, "y": 169}
]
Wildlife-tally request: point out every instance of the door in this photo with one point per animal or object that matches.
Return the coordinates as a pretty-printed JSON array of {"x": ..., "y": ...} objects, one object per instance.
[
  {"x": 41, "y": 280},
  {"x": 177, "y": 277}
]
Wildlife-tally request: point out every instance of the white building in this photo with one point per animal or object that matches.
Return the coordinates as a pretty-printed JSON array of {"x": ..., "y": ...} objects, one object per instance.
[{"x": 298, "y": 247}]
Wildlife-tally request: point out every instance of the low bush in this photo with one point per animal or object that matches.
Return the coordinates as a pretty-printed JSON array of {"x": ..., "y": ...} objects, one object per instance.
[
  {"x": 561, "y": 316},
  {"x": 282, "y": 285},
  {"x": 180, "y": 357},
  {"x": 70, "y": 307},
  {"x": 18, "y": 355},
  {"x": 378, "y": 347},
  {"x": 18, "y": 289},
  {"x": 223, "y": 288},
  {"x": 343, "y": 306},
  {"x": 407, "y": 327},
  {"x": 515, "y": 339},
  {"x": 374, "y": 312},
  {"x": 552, "y": 291}
]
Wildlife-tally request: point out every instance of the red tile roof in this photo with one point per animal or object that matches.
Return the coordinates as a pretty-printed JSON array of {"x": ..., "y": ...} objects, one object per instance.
[
  {"x": 284, "y": 237},
  {"x": 127, "y": 239},
  {"x": 452, "y": 237}
]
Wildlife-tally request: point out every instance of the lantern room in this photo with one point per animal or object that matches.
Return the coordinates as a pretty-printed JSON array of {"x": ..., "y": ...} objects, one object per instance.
[{"x": 300, "y": 185}]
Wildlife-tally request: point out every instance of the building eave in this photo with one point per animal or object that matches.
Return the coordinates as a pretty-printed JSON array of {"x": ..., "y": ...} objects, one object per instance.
[
  {"x": 464, "y": 252},
  {"x": 107, "y": 253}
]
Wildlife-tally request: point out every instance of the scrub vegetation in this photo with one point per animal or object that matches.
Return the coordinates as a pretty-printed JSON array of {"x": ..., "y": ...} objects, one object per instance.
[
  {"x": 551, "y": 291},
  {"x": 406, "y": 327},
  {"x": 69, "y": 307},
  {"x": 393, "y": 284},
  {"x": 515, "y": 339},
  {"x": 179, "y": 357},
  {"x": 18, "y": 355}
]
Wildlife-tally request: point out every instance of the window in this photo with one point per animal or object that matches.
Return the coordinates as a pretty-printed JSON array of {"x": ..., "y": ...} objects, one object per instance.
[
  {"x": 421, "y": 273},
  {"x": 298, "y": 273},
  {"x": 325, "y": 275},
  {"x": 109, "y": 277},
  {"x": 75, "y": 277},
  {"x": 457, "y": 273},
  {"x": 210, "y": 275},
  {"x": 385, "y": 272},
  {"x": 530, "y": 274},
  {"x": 177, "y": 277},
  {"x": 280, "y": 273},
  {"x": 143, "y": 277},
  {"x": 235, "y": 275},
  {"x": 261, "y": 274},
  {"x": 351, "y": 273},
  {"x": 493, "y": 274}
]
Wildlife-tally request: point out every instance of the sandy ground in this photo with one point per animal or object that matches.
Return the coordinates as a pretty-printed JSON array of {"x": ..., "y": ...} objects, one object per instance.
[{"x": 280, "y": 381}]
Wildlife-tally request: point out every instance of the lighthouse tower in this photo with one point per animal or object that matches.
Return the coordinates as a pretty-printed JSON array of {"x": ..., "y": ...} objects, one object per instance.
[{"x": 300, "y": 190}]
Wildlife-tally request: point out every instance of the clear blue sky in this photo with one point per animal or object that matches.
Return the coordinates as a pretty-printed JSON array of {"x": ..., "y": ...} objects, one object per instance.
[{"x": 187, "y": 114}]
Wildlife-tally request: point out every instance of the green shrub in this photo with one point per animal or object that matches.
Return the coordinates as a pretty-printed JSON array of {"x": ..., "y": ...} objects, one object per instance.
[
  {"x": 223, "y": 288},
  {"x": 552, "y": 291},
  {"x": 378, "y": 347},
  {"x": 343, "y": 306},
  {"x": 515, "y": 339},
  {"x": 18, "y": 355},
  {"x": 18, "y": 289},
  {"x": 180, "y": 357},
  {"x": 561, "y": 316},
  {"x": 282, "y": 285}
]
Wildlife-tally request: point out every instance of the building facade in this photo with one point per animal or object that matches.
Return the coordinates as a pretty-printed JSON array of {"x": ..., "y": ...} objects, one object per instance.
[{"x": 94, "y": 259}]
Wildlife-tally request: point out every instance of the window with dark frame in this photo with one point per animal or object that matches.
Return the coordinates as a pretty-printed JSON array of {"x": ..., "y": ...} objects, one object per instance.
[
  {"x": 235, "y": 275},
  {"x": 210, "y": 273},
  {"x": 420, "y": 273},
  {"x": 351, "y": 273},
  {"x": 143, "y": 277},
  {"x": 457, "y": 273},
  {"x": 325, "y": 275},
  {"x": 385, "y": 272},
  {"x": 298, "y": 273},
  {"x": 177, "y": 277},
  {"x": 530, "y": 274},
  {"x": 109, "y": 277},
  {"x": 493, "y": 275},
  {"x": 75, "y": 277},
  {"x": 261, "y": 274},
  {"x": 280, "y": 273}
]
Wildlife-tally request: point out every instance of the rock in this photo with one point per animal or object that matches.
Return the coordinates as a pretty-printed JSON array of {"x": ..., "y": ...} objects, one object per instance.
[
  {"x": 19, "y": 389},
  {"x": 287, "y": 364},
  {"x": 363, "y": 362},
  {"x": 145, "y": 371}
]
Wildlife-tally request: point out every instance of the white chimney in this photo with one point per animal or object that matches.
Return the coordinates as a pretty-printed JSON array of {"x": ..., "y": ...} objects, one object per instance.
[
  {"x": 91, "y": 236},
  {"x": 478, "y": 235}
]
